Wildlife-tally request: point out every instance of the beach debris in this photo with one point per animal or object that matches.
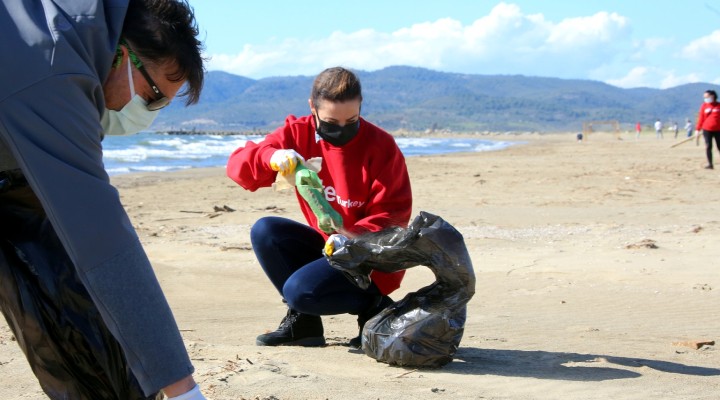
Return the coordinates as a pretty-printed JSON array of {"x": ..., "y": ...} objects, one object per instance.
[
  {"x": 271, "y": 397},
  {"x": 225, "y": 371},
  {"x": 696, "y": 229},
  {"x": 695, "y": 344},
  {"x": 437, "y": 390},
  {"x": 272, "y": 208},
  {"x": 218, "y": 211},
  {"x": 245, "y": 248},
  {"x": 703, "y": 287},
  {"x": 643, "y": 244},
  {"x": 534, "y": 263},
  {"x": 406, "y": 373}
]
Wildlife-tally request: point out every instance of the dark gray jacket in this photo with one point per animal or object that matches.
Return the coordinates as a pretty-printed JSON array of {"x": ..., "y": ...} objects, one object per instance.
[{"x": 55, "y": 60}]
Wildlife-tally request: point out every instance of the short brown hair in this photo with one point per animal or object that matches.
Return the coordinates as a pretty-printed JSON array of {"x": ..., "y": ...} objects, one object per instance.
[{"x": 335, "y": 84}]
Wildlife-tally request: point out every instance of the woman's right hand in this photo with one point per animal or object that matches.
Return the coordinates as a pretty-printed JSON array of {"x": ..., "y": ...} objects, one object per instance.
[{"x": 285, "y": 160}]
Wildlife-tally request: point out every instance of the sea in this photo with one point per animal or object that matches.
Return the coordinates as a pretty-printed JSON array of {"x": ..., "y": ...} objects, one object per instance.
[{"x": 157, "y": 152}]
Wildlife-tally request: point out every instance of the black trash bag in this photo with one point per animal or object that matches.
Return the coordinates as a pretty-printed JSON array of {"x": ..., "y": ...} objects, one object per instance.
[
  {"x": 57, "y": 325},
  {"x": 423, "y": 329}
]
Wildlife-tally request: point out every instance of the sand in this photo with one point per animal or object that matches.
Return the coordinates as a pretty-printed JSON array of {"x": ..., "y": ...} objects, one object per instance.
[{"x": 573, "y": 301}]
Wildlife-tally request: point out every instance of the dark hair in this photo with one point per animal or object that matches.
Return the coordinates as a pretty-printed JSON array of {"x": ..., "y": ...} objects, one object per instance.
[
  {"x": 335, "y": 84},
  {"x": 712, "y": 93},
  {"x": 161, "y": 31}
]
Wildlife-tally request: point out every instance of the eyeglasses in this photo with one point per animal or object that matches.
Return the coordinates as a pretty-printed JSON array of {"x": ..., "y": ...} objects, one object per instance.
[{"x": 161, "y": 100}]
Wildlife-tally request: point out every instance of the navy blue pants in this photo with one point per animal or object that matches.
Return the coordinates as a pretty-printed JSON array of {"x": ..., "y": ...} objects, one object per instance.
[{"x": 291, "y": 255}]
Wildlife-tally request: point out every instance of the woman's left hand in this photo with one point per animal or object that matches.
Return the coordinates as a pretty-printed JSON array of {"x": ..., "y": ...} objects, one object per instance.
[{"x": 334, "y": 242}]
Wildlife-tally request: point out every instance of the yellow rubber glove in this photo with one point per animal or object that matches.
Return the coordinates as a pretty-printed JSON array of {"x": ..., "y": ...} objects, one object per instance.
[
  {"x": 285, "y": 161},
  {"x": 333, "y": 242}
]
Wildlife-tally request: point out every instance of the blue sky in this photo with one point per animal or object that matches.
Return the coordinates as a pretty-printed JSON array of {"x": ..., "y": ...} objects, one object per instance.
[{"x": 629, "y": 43}]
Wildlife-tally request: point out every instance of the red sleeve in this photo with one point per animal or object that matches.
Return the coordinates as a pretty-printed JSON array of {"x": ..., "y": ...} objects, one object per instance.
[
  {"x": 701, "y": 118},
  {"x": 249, "y": 166},
  {"x": 390, "y": 200}
]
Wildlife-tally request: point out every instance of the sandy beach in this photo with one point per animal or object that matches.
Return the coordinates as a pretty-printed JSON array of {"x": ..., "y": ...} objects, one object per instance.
[{"x": 596, "y": 263}]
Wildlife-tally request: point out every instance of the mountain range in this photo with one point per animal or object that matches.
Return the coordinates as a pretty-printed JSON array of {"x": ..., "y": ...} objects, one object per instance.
[{"x": 418, "y": 99}]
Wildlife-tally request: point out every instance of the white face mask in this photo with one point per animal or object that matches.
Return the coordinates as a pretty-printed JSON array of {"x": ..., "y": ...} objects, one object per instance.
[
  {"x": 708, "y": 99},
  {"x": 134, "y": 116}
]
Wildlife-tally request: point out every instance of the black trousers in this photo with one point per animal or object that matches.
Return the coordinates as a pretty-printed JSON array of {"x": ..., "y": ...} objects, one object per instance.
[{"x": 709, "y": 135}]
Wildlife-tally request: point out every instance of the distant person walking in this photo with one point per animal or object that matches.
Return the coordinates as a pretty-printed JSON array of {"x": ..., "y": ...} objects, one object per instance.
[
  {"x": 709, "y": 123},
  {"x": 658, "y": 129},
  {"x": 638, "y": 129},
  {"x": 688, "y": 127},
  {"x": 674, "y": 127}
]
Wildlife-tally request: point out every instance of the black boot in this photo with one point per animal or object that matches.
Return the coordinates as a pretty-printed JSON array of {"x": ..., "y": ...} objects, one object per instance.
[
  {"x": 296, "y": 329},
  {"x": 382, "y": 303}
]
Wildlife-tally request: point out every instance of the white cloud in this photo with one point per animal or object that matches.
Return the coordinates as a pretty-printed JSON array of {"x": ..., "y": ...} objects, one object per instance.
[
  {"x": 643, "y": 76},
  {"x": 671, "y": 80},
  {"x": 636, "y": 77},
  {"x": 505, "y": 41},
  {"x": 645, "y": 48},
  {"x": 581, "y": 32},
  {"x": 653, "y": 44},
  {"x": 704, "y": 47}
]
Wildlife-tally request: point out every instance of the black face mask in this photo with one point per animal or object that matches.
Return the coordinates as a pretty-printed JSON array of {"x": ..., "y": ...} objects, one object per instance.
[{"x": 335, "y": 134}]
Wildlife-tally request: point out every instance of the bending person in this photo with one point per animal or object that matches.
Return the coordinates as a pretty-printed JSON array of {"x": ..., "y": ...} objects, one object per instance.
[{"x": 69, "y": 65}]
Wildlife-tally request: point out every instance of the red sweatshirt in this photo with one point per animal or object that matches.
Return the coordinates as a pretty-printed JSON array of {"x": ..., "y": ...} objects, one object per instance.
[
  {"x": 709, "y": 118},
  {"x": 365, "y": 181}
]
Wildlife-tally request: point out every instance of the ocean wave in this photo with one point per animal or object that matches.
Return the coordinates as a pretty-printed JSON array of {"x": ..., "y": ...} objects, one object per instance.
[
  {"x": 174, "y": 149},
  {"x": 406, "y": 143},
  {"x": 494, "y": 146},
  {"x": 154, "y": 152},
  {"x": 159, "y": 168}
]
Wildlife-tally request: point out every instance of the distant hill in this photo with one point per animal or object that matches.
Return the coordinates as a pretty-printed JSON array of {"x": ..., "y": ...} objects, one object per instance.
[{"x": 419, "y": 99}]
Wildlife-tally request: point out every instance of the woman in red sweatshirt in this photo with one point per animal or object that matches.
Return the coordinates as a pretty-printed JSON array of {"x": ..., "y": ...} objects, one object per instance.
[
  {"x": 364, "y": 179},
  {"x": 709, "y": 123}
]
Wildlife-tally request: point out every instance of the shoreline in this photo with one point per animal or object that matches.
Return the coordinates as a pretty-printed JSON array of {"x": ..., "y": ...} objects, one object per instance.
[
  {"x": 397, "y": 133},
  {"x": 163, "y": 153}
]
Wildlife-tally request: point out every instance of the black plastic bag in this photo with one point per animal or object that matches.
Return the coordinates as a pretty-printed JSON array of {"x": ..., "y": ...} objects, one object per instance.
[
  {"x": 57, "y": 325},
  {"x": 423, "y": 329}
]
